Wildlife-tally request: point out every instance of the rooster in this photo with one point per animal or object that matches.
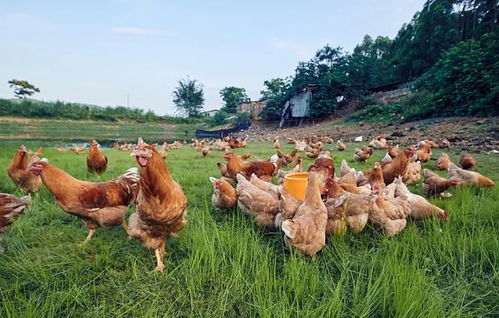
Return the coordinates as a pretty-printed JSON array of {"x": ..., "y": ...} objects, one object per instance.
[
  {"x": 287, "y": 159},
  {"x": 10, "y": 207},
  {"x": 314, "y": 153},
  {"x": 306, "y": 230},
  {"x": 300, "y": 145},
  {"x": 398, "y": 166},
  {"x": 363, "y": 154},
  {"x": 375, "y": 176},
  {"x": 341, "y": 146},
  {"x": 443, "y": 161},
  {"x": 378, "y": 143},
  {"x": 467, "y": 161},
  {"x": 413, "y": 172},
  {"x": 277, "y": 144},
  {"x": 346, "y": 209},
  {"x": 262, "y": 169},
  {"x": 393, "y": 151},
  {"x": 387, "y": 159},
  {"x": 445, "y": 144},
  {"x": 163, "y": 151},
  {"x": 206, "y": 151},
  {"x": 96, "y": 160},
  {"x": 97, "y": 204},
  {"x": 224, "y": 195},
  {"x": 345, "y": 168},
  {"x": 251, "y": 199},
  {"x": 420, "y": 207},
  {"x": 235, "y": 143},
  {"x": 297, "y": 167},
  {"x": 265, "y": 186},
  {"x": 324, "y": 167},
  {"x": 468, "y": 177},
  {"x": 161, "y": 203},
  {"x": 390, "y": 214},
  {"x": 77, "y": 150},
  {"x": 435, "y": 184},
  {"x": 18, "y": 172},
  {"x": 423, "y": 153}
]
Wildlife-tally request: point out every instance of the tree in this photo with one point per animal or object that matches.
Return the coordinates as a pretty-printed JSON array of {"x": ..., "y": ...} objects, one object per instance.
[
  {"x": 465, "y": 81},
  {"x": 419, "y": 44},
  {"x": 23, "y": 88},
  {"x": 232, "y": 96},
  {"x": 188, "y": 97},
  {"x": 368, "y": 65},
  {"x": 276, "y": 92}
]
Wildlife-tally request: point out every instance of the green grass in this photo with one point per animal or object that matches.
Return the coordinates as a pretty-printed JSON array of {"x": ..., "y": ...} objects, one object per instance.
[
  {"x": 223, "y": 265},
  {"x": 85, "y": 130}
]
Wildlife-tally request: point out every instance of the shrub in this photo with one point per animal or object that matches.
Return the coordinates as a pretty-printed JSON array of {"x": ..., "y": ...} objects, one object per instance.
[
  {"x": 465, "y": 81},
  {"x": 38, "y": 109}
]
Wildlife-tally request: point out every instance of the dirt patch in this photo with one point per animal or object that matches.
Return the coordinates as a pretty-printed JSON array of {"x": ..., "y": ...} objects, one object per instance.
[
  {"x": 464, "y": 133},
  {"x": 15, "y": 120},
  {"x": 167, "y": 126}
]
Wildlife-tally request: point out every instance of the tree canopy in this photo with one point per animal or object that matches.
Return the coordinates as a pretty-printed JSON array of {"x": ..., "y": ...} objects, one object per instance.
[
  {"x": 232, "y": 96},
  {"x": 22, "y": 88},
  {"x": 430, "y": 41},
  {"x": 188, "y": 97}
]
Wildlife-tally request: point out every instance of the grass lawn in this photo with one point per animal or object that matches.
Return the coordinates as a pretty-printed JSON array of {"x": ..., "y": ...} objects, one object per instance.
[{"x": 223, "y": 265}]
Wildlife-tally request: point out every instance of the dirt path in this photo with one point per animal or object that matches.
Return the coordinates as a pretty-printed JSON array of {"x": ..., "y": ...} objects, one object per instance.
[{"x": 464, "y": 133}]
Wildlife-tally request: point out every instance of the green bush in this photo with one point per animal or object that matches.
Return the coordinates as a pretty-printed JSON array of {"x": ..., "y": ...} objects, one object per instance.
[
  {"x": 38, "y": 109},
  {"x": 413, "y": 107},
  {"x": 219, "y": 118},
  {"x": 378, "y": 113},
  {"x": 465, "y": 81}
]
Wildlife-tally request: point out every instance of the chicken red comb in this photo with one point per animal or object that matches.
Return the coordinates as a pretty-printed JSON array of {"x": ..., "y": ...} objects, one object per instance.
[{"x": 443, "y": 216}]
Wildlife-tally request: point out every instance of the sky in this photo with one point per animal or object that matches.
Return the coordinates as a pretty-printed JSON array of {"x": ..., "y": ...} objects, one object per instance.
[{"x": 114, "y": 52}]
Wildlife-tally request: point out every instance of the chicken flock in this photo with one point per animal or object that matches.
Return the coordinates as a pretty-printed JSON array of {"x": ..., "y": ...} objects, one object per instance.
[
  {"x": 160, "y": 204},
  {"x": 335, "y": 201}
]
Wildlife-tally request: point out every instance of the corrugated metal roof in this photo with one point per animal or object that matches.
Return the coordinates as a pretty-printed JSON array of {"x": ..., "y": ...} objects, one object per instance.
[{"x": 300, "y": 104}]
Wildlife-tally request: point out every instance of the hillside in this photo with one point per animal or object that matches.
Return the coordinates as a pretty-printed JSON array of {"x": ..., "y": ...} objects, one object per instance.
[
  {"x": 15, "y": 128},
  {"x": 466, "y": 133}
]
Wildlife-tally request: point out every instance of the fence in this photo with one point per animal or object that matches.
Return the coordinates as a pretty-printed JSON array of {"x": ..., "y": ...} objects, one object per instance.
[{"x": 218, "y": 134}]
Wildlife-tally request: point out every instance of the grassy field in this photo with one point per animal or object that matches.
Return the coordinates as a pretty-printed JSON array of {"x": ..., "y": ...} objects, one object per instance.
[
  {"x": 85, "y": 130},
  {"x": 223, "y": 265}
]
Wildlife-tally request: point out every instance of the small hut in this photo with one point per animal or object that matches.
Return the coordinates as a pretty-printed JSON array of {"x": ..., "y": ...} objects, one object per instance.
[
  {"x": 298, "y": 106},
  {"x": 252, "y": 107}
]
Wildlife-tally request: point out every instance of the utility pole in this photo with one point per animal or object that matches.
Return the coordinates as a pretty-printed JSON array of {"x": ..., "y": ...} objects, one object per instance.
[{"x": 128, "y": 100}]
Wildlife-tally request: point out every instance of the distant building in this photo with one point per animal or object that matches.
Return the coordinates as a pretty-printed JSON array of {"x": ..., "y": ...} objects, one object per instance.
[
  {"x": 210, "y": 113},
  {"x": 298, "y": 106},
  {"x": 252, "y": 107}
]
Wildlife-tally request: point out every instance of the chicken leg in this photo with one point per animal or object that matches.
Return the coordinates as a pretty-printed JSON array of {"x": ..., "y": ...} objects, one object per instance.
[
  {"x": 89, "y": 236},
  {"x": 160, "y": 254},
  {"x": 125, "y": 227}
]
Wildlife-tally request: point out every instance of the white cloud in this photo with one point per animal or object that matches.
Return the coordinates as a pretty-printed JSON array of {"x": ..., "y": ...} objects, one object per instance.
[{"x": 129, "y": 30}]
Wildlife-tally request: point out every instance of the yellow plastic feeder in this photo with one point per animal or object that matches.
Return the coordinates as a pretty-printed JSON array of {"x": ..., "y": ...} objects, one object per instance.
[{"x": 296, "y": 184}]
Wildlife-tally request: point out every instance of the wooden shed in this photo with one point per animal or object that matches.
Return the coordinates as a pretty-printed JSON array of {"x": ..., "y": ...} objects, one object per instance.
[{"x": 298, "y": 106}]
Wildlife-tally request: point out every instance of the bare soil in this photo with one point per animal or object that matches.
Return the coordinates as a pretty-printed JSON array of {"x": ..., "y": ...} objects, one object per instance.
[{"x": 465, "y": 133}]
